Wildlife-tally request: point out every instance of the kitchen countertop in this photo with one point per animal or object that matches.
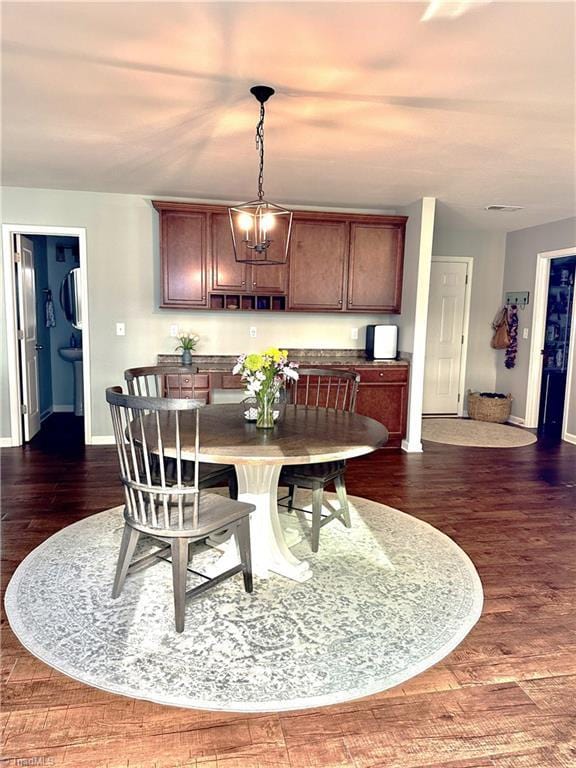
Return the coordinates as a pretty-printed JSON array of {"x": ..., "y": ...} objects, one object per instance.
[{"x": 306, "y": 357}]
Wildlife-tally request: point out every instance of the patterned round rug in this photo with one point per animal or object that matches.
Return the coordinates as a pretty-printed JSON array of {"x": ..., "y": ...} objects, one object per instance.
[
  {"x": 389, "y": 598},
  {"x": 480, "y": 434}
]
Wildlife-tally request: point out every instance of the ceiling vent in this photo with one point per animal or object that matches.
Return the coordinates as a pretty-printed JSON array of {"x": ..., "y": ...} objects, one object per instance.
[{"x": 504, "y": 208}]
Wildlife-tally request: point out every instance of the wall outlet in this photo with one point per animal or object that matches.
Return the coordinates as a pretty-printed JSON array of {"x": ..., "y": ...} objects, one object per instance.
[
  {"x": 174, "y": 331},
  {"x": 120, "y": 329},
  {"x": 354, "y": 334},
  {"x": 252, "y": 331},
  {"x": 525, "y": 333}
]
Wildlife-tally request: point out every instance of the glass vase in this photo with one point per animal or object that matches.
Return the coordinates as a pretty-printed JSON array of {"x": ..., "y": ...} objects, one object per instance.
[
  {"x": 265, "y": 410},
  {"x": 186, "y": 357}
]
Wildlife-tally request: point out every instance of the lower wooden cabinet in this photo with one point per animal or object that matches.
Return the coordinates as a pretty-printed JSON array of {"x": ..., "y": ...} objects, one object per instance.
[{"x": 383, "y": 395}]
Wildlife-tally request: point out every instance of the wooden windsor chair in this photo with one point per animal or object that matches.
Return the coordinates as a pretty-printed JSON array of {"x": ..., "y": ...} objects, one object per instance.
[
  {"x": 181, "y": 381},
  {"x": 174, "y": 513},
  {"x": 320, "y": 388}
]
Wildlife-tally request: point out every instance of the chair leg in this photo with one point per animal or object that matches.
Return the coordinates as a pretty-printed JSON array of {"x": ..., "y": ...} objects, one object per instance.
[
  {"x": 340, "y": 486},
  {"x": 243, "y": 539},
  {"x": 179, "y": 547},
  {"x": 291, "y": 496},
  {"x": 317, "y": 495},
  {"x": 233, "y": 486},
  {"x": 130, "y": 538}
]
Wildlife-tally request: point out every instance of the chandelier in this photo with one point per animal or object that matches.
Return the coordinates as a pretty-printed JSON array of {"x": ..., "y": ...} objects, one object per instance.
[{"x": 260, "y": 229}]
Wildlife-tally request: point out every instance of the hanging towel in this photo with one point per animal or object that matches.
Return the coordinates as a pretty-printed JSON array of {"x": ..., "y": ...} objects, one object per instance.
[
  {"x": 49, "y": 311},
  {"x": 512, "y": 350}
]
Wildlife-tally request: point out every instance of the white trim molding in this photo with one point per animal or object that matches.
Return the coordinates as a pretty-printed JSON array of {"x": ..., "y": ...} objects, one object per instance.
[
  {"x": 13, "y": 365},
  {"x": 569, "y": 438},
  {"x": 6, "y": 442},
  {"x": 516, "y": 420},
  {"x": 103, "y": 440},
  {"x": 63, "y": 409},
  {"x": 412, "y": 447}
]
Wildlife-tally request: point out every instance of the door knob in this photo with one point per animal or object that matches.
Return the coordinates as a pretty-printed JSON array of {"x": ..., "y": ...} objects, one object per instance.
[{"x": 39, "y": 346}]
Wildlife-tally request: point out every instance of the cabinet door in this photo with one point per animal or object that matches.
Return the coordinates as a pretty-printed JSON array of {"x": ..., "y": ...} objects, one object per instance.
[
  {"x": 268, "y": 278},
  {"x": 376, "y": 257},
  {"x": 227, "y": 273},
  {"x": 183, "y": 253},
  {"x": 383, "y": 395},
  {"x": 317, "y": 264}
]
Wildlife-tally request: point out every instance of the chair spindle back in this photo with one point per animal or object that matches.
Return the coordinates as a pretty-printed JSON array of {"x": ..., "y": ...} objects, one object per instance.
[
  {"x": 325, "y": 388},
  {"x": 149, "y": 430},
  {"x": 161, "y": 381}
]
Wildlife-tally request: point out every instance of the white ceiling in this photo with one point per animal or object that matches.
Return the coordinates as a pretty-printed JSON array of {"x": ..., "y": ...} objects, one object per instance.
[{"x": 374, "y": 107}]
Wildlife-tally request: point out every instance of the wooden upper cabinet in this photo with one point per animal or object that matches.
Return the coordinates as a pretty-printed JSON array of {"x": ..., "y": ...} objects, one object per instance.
[
  {"x": 375, "y": 269},
  {"x": 183, "y": 236},
  {"x": 231, "y": 275},
  {"x": 318, "y": 250},
  {"x": 267, "y": 278},
  {"x": 227, "y": 273}
]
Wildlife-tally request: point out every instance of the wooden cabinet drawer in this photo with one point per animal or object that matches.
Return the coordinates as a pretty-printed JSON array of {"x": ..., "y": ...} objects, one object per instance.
[
  {"x": 189, "y": 394},
  {"x": 194, "y": 381},
  {"x": 231, "y": 381},
  {"x": 379, "y": 375}
]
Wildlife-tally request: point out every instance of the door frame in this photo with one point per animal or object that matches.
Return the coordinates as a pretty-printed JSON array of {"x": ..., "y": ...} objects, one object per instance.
[
  {"x": 543, "y": 261},
  {"x": 469, "y": 261},
  {"x": 12, "y": 354}
]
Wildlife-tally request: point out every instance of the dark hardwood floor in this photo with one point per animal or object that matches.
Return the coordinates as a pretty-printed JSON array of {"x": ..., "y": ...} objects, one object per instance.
[{"x": 505, "y": 698}]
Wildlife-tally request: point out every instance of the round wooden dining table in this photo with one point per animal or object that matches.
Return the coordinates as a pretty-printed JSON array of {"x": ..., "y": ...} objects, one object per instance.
[{"x": 305, "y": 435}]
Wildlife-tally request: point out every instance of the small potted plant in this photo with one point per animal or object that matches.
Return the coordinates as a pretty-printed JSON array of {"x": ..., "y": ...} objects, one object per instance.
[{"x": 188, "y": 342}]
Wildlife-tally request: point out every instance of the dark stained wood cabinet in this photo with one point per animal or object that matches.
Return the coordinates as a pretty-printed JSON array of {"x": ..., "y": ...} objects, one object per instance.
[
  {"x": 230, "y": 275},
  {"x": 227, "y": 273},
  {"x": 336, "y": 263},
  {"x": 383, "y": 395},
  {"x": 375, "y": 269},
  {"x": 317, "y": 265},
  {"x": 183, "y": 253}
]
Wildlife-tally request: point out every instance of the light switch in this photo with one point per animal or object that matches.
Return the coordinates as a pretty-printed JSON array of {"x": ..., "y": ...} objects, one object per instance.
[
  {"x": 252, "y": 331},
  {"x": 525, "y": 333},
  {"x": 174, "y": 331},
  {"x": 120, "y": 329},
  {"x": 354, "y": 334}
]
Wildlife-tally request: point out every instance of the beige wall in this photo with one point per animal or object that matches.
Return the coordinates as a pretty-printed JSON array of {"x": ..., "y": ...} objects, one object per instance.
[
  {"x": 488, "y": 251},
  {"x": 123, "y": 279},
  {"x": 522, "y": 248}
]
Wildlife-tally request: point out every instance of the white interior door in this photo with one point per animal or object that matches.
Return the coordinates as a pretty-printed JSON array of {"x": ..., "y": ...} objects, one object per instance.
[
  {"x": 445, "y": 338},
  {"x": 28, "y": 343}
]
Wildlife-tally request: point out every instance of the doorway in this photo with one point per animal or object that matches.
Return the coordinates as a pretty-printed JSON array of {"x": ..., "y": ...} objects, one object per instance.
[
  {"x": 540, "y": 357},
  {"x": 447, "y": 334},
  {"x": 47, "y": 344},
  {"x": 555, "y": 353}
]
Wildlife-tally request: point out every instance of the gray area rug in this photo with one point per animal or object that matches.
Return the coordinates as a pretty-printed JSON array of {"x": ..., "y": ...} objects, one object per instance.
[
  {"x": 479, "y": 434},
  {"x": 389, "y": 598}
]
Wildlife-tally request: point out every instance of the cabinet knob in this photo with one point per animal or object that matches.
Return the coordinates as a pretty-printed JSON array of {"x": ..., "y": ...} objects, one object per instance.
[
  {"x": 243, "y": 282},
  {"x": 381, "y": 374},
  {"x": 339, "y": 301},
  {"x": 254, "y": 283}
]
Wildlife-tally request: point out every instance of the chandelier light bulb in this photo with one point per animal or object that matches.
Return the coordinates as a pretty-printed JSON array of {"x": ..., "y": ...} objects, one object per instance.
[
  {"x": 267, "y": 222},
  {"x": 245, "y": 221}
]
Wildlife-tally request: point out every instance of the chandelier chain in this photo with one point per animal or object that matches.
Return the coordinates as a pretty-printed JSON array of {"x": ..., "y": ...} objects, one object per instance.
[{"x": 260, "y": 147}]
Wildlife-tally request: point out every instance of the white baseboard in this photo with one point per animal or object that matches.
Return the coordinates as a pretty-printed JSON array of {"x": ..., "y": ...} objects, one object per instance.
[
  {"x": 569, "y": 438},
  {"x": 516, "y": 420},
  {"x": 102, "y": 440},
  {"x": 63, "y": 409},
  {"x": 413, "y": 447},
  {"x": 44, "y": 415},
  {"x": 6, "y": 442}
]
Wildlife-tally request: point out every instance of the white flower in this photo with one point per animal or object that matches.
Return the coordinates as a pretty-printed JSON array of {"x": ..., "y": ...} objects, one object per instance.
[
  {"x": 290, "y": 373},
  {"x": 237, "y": 368}
]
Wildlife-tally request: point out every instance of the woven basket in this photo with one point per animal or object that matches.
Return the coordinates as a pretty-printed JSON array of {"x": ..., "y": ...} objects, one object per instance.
[{"x": 496, "y": 409}]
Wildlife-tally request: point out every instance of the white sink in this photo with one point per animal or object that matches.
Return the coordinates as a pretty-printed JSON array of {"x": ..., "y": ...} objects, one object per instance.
[
  {"x": 74, "y": 355},
  {"x": 71, "y": 354}
]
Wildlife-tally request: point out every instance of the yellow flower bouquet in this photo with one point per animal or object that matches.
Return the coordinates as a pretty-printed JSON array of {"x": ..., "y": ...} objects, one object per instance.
[{"x": 265, "y": 374}]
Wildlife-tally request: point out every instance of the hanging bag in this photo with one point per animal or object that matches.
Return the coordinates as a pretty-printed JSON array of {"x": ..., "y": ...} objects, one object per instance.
[{"x": 501, "y": 338}]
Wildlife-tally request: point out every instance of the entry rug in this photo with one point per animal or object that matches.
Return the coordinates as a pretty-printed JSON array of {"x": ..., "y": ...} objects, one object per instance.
[
  {"x": 481, "y": 434},
  {"x": 388, "y": 598}
]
